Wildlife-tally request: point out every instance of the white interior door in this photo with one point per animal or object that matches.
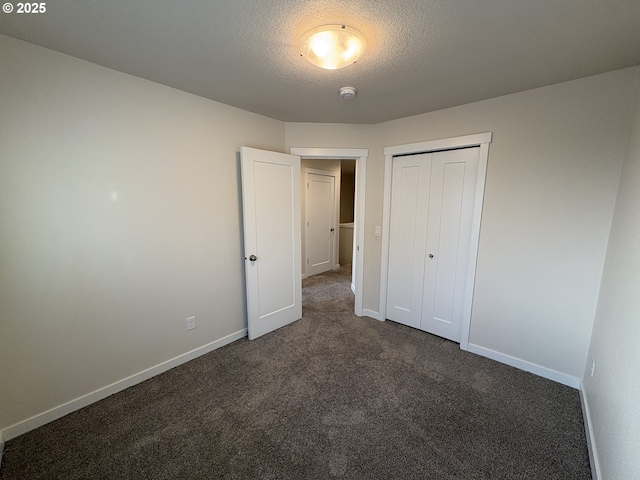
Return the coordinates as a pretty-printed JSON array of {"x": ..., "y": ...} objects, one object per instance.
[
  {"x": 271, "y": 216},
  {"x": 432, "y": 205},
  {"x": 320, "y": 223}
]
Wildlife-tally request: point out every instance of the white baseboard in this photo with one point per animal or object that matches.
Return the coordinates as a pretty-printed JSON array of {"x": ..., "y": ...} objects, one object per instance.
[
  {"x": 1, "y": 446},
  {"x": 372, "y": 314},
  {"x": 78, "y": 403},
  {"x": 536, "y": 369},
  {"x": 353, "y": 288},
  {"x": 591, "y": 444}
]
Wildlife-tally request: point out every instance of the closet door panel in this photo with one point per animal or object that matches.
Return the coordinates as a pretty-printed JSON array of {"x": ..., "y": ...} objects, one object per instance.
[
  {"x": 410, "y": 193},
  {"x": 451, "y": 200}
]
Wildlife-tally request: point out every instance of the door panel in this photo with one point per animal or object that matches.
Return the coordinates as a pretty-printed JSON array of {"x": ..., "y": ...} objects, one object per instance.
[
  {"x": 449, "y": 233},
  {"x": 320, "y": 213},
  {"x": 271, "y": 216},
  {"x": 407, "y": 239}
]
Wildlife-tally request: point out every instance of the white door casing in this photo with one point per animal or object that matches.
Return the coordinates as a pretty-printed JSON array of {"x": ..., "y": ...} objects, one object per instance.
[
  {"x": 320, "y": 222},
  {"x": 459, "y": 301},
  {"x": 272, "y": 240}
]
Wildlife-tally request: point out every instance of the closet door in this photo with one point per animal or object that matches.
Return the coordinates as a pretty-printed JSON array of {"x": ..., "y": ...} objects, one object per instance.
[
  {"x": 432, "y": 202},
  {"x": 449, "y": 220},
  {"x": 408, "y": 234}
]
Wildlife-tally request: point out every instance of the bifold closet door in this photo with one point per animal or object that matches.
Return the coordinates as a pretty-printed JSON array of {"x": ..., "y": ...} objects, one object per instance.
[{"x": 432, "y": 203}]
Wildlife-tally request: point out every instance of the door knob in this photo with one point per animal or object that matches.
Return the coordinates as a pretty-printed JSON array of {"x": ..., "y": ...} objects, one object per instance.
[
  {"x": 431, "y": 255},
  {"x": 333, "y": 229},
  {"x": 253, "y": 258}
]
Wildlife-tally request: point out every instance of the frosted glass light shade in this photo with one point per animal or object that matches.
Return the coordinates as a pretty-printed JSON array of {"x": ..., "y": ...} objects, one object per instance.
[{"x": 332, "y": 46}]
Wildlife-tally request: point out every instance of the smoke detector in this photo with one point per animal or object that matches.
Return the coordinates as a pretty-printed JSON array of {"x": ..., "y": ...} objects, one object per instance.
[{"x": 347, "y": 92}]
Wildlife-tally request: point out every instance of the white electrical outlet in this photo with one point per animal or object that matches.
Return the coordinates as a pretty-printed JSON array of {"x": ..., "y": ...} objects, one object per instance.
[
  {"x": 191, "y": 323},
  {"x": 593, "y": 367}
]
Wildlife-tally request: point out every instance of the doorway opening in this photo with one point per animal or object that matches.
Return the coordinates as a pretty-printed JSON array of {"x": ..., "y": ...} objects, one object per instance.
[
  {"x": 328, "y": 214},
  {"x": 327, "y": 208},
  {"x": 357, "y": 158}
]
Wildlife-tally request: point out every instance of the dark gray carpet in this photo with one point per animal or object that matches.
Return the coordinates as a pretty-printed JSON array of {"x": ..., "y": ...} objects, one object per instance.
[{"x": 330, "y": 396}]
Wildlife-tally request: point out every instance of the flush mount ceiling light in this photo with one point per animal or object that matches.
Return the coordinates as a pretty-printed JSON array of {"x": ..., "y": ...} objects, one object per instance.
[{"x": 332, "y": 46}]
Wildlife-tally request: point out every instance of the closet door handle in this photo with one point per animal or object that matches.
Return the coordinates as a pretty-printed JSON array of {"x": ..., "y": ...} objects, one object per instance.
[{"x": 431, "y": 255}]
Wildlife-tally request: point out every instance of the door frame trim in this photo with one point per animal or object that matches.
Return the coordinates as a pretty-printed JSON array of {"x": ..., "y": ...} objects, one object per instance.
[
  {"x": 360, "y": 156},
  {"x": 481, "y": 140}
]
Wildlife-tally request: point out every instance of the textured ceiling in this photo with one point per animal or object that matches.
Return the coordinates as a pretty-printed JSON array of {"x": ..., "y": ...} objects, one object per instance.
[{"x": 422, "y": 55}]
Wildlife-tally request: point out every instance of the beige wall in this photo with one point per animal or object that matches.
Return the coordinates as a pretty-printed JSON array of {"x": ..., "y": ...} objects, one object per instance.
[
  {"x": 553, "y": 171},
  {"x": 120, "y": 214},
  {"x": 612, "y": 394},
  {"x": 551, "y": 185}
]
